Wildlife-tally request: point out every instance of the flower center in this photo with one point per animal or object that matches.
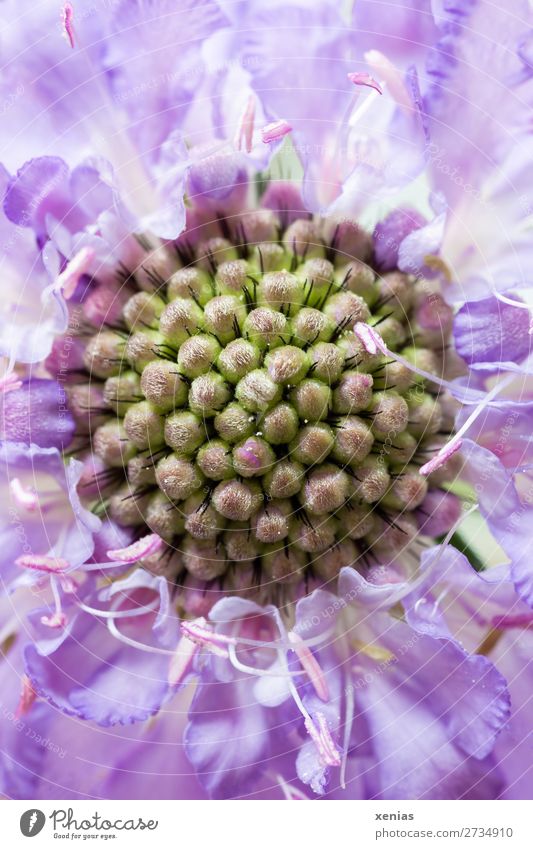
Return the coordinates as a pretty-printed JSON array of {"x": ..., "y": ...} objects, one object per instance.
[{"x": 233, "y": 412}]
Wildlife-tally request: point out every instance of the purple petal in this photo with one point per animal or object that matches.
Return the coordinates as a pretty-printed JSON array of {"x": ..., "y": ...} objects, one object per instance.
[
  {"x": 490, "y": 331},
  {"x": 390, "y": 233},
  {"x": 93, "y": 676},
  {"x": 227, "y": 738},
  {"x": 39, "y": 188},
  {"x": 509, "y": 519},
  {"x": 37, "y": 413}
]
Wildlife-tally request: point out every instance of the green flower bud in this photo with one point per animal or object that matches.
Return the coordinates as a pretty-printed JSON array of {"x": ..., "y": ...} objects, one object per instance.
[
  {"x": 237, "y": 500},
  {"x": 312, "y": 444},
  {"x": 224, "y": 316},
  {"x": 180, "y": 319},
  {"x": 265, "y": 328},
  {"x": 112, "y": 444},
  {"x": 271, "y": 523},
  {"x": 143, "y": 347},
  {"x": 280, "y": 425},
  {"x": 184, "y": 432},
  {"x": 287, "y": 364},
  {"x": 253, "y": 457},
  {"x": 257, "y": 392},
  {"x": 353, "y": 441},
  {"x": 326, "y": 490},
  {"x": 234, "y": 423},
  {"x": 190, "y": 283},
  {"x": 163, "y": 517},
  {"x": 122, "y": 390},
  {"x": 284, "y": 480},
  {"x": 163, "y": 386},
  {"x": 208, "y": 394},
  {"x": 237, "y": 359},
  {"x": 327, "y": 362},
  {"x": 215, "y": 461},
  {"x": 143, "y": 310},
  {"x": 354, "y": 392},
  {"x": 197, "y": 355},
  {"x": 232, "y": 277},
  {"x": 312, "y": 400},
  {"x": 144, "y": 426},
  {"x": 178, "y": 477},
  {"x": 105, "y": 353}
]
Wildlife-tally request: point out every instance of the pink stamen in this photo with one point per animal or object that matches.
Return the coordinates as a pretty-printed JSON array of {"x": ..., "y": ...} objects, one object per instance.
[
  {"x": 275, "y": 131},
  {"x": 321, "y": 737},
  {"x": 27, "y": 697},
  {"x": 137, "y": 550},
  {"x": 9, "y": 382},
  {"x": 55, "y": 620},
  {"x": 67, "y": 19},
  {"x": 245, "y": 129},
  {"x": 199, "y": 632},
  {"x": 69, "y": 277},
  {"x": 43, "y": 563},
  {"x": 370, "y": 338},
  {"x": 25, "y": 498},
  {"x": 391, "y": 76},
  {"x": 365, "y": 79},
  {"x": 182, "y": 661},
  {"x": 310, "y": 664},
  {"x": 441, "y": 457}
]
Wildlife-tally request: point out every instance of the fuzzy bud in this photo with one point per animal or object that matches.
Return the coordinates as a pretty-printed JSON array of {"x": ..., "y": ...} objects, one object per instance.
[
  {"x": 237, "y": 359},
  {"x": 280, "y": 425},
  {"x": 208, "y": 394},
  {"x": 312, "y": 444},
  {"x": 237, "y": 500},
  {"x": 312, "y": 400},
  {"x": 163, "y": 386},
  {"x": 184, "y": 432},
  {"x": 112, "y": 445},
  {"x": 325, "y": 490},
  {"x": 224, "y": 316},
  {"x": 143, "y": 310},
  {"x": 104, "y": 354},
  {"x": 353, "y": 441},
  {"x": 234, "y": 423},
  {"x": 190, "y": 283},
  {"x": 253, "y": 457},
  {"x": 257, "y": 392},
  {"x": 177, "y": 477},
  {"x": 284, "y": 480},
  {"x": 264, "y": 327},
  {"x": 197, "y": 355},
  {"x": 354, "y": 392},
  {"x": 215, "y": 461},
  {"x": 287, "y": 364},
  {"x": 180, "y": 319}
]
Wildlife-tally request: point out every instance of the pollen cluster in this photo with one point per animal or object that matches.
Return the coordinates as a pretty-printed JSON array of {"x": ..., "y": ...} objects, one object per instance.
[{"x": 231, "y": 409}]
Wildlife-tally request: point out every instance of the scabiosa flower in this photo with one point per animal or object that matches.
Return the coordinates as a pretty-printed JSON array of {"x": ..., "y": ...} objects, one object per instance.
[{"x": 240, "y": 459}]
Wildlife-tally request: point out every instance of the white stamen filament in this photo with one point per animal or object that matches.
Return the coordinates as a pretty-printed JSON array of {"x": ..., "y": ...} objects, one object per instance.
[
  {"x": 128, "y": 641},
  {"x": 348, "y": 723},
  {"x": 254, "y": 670},
  {"x": 120, "y": 614}
]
